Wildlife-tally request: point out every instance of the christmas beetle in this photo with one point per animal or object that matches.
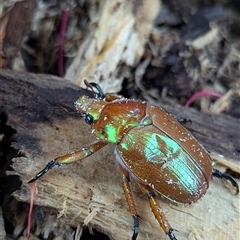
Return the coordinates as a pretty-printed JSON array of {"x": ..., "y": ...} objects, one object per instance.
[{"x": 151, "y": 146}]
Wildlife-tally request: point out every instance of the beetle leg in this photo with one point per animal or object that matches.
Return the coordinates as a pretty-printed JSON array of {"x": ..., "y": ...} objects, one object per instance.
[
  {"x": 218, "y": 174},
  {"x": 157, "y": 211},
  {"x": 184, "y": 120},
  {"x": 70, "y": 158},
  {"x": 130, "y": 202}
]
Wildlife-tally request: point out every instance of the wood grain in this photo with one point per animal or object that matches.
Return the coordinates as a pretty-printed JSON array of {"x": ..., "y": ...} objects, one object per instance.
[{"x": 90, "y": 192}]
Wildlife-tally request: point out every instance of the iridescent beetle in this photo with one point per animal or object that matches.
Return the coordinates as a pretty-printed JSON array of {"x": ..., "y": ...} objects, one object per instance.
[{"x": 151, "y": 146}]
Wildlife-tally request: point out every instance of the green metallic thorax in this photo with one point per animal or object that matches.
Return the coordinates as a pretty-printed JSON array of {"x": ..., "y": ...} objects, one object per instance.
[
  {"x": 112, "y": 119},
  {"x": 117, "y": 118}
]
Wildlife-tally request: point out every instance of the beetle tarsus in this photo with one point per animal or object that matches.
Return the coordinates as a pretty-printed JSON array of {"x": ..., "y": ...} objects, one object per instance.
[
  {"x": 218, "y": 174},
  {"x": 184, "y": 120},
  {"x": 49, "y": 166},
  {"x": 135, "y": 226},
  {"x": 171, "y": 234}
]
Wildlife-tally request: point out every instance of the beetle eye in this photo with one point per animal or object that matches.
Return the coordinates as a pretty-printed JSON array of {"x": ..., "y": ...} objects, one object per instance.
[{"x": 89, "y": 119}]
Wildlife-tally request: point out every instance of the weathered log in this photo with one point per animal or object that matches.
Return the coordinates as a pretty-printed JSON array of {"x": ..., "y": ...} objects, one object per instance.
[{"x": 90, "y": 192}]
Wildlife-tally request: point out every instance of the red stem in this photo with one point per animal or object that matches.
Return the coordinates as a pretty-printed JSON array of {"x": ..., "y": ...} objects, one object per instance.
[
  {"x": 61, "y": 42},
  {"x": 202, "y": 93},
  {"x": 33, "y": 188}
]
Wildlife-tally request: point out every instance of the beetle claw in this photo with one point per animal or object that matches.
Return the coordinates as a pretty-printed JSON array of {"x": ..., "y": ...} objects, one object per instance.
[
  {"x": 184, "y": 120},
  {"x": 171, "y": 234},
  {"x": 49, "y": 166},
  {"x": 218, "y": 174},
  {"x": 135, "y": 226}
]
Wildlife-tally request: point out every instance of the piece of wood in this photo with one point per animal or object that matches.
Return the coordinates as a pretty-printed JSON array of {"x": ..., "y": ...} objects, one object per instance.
[
  {"x": 108, "y": 45},
  {"x": 90, "y": 192}
]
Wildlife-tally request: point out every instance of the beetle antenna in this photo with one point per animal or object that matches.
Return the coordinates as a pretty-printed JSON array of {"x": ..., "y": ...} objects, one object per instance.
[
  {"x": 49, "y": 166},
  {"x": 92, "y": 85},
  {"x": 88, "y": 85},
  {"x": 99, "y": 89},
  {"x": 218, "y": 174}
]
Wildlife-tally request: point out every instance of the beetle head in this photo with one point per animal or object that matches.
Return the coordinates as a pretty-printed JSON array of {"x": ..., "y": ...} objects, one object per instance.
[{"x": 90, "y": 108}]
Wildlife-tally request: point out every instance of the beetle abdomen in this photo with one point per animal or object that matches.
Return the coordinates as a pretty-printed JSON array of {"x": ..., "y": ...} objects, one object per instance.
[{"x": 160, "y": 162}]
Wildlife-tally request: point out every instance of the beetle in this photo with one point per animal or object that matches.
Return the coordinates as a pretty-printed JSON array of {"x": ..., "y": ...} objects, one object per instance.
[{"x": 151, "y": 146}]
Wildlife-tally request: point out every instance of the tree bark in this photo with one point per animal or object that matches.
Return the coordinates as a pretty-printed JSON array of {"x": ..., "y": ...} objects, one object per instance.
[{"x": 40, "y": 109}]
